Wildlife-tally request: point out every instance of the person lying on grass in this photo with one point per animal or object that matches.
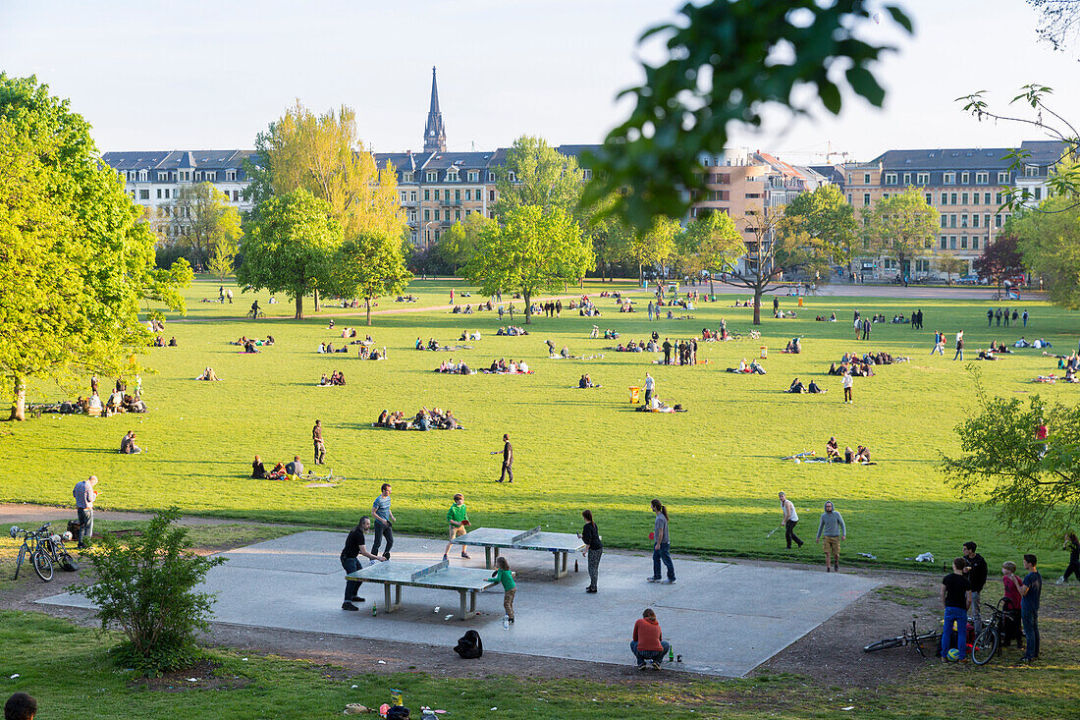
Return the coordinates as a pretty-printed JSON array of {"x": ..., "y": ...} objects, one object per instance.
[
  {"x": 796, "y": 387},
  {"x": 794, "y": 347},
  {"x": 208, "y": 375}
]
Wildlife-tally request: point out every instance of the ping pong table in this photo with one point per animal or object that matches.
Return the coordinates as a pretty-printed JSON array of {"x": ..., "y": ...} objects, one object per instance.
[
  {"x": 394, "y": 575},
  {"x": 493, "y": 539}
]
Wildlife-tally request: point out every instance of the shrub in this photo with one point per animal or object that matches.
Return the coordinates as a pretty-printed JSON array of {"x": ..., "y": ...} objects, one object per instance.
[{"x": 146, "y": 589}]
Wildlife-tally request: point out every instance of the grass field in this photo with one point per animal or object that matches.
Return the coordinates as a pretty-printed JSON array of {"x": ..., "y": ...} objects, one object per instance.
[{"x": 717, "y": 466}]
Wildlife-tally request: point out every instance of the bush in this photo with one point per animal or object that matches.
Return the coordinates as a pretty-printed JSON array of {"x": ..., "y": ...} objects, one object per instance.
[{"x": 146, "y": 589}]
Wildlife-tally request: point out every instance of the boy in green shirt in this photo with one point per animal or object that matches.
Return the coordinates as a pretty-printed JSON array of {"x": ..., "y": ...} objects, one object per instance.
[
  {"x": 458, "y": 518},
  {"x": 502, "y": 574}
]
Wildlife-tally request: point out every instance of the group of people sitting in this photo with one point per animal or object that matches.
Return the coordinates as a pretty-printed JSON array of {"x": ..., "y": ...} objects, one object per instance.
[
  {"x": 453, "y": 368},
  {"x": 406, "y": 298},
  {"x": 209, "y": 375},
  {"x": 586, "y": 382},
  {"x": 587, "y": 309},
  {"x": 563, "y": 354},
  {"x": 794, "y": 346},
  {"x": 434, "y": 419},
  {"x": 609, "y": 334},
  {"x": 832, "y": 453},
  {"x": 798, "y": 388},
  {"x": 366, "y": 352},
  {"x": 754, "y": 368},
  {"x": 336, "y": 378},
  {"x": 502, "y": 367},
  {"x": 1037, "y": 344},
  {"x": 159, "y": 341},
  {"x": 458, "y": 310},
  {"x": 250, "y": 344},
  {"x": 639, "y": 346},
  {"x": 512, "y": 331},
  {"x": 822, "y": 318},
  {"x": 466, "y": 335},
  {"x": 280, "y": 471},
  {"x": 862, "y": 365},
  {"x": 781, "y": 315},
  {"x": 118, "y": 402},
  {"x": 329, "y": 348}
]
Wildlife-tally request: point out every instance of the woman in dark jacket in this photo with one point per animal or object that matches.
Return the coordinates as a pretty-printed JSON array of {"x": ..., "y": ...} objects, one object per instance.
[{"x": 590, "y": 535}]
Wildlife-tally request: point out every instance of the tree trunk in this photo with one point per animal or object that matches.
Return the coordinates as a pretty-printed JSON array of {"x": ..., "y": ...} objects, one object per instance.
[
  {"x": 528, "y": 307},
  {"x": 299, "y": 307},
  {"x": 712, "y": 290},
  {"x": 367, "y": 301},
  {"x": 318, "y": 306},
  {"x": 18, "y": 405},
  {"x": 757, "y": 306},
  {"x": 640, "y": 275}
]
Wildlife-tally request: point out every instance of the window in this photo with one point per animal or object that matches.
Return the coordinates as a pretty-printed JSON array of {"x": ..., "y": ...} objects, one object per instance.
[
  {"x": 944, "y": 242},
  {"x": 865, "y": 198},
  {"x": 1003, "y": 178},
  {"x": 412, "y": 196},
  {"x": 952, "y": 242},
  {"x": 982, "y": 178},
  {"x": 964, "y": 220},
  {"x": 866, "y": 178},
  {"x": 159, "y": 193},
  {"x": 997, "y": 221},
  {"x": 491, "y": 176},
  {"x": 236, "y": 196},
  {"x": 457, "y": 214},
  {"x": 162, "y": 176},
  {"x": 427, "y": 194},
  {"x": 974, "y": 198},
  {"x": 965, "y": 178},
  {"x": 974, "y": 221},
  {"x": 457, "y": 195},
  {"x": 944, "y": 221},
  {"x": 511, "y": 176},
  {"x": 433, "y": 177},
  {"x": 885, "y": 196},
  {"x": 986, "y": 220},
  {"x": 166, "y": 193},
  {"x": 1031, "y": 171},
  {"x": 491, "y": 198},
  {"x": 211, "y": 177},
  {"x": 144, "y": 175},
  {"x": 437, "y": 194},
  {"x": 998, "y": 198},
  {"x": 907, "y": 178},
  {"x": 586, "y": 174},
  {"x": 952, "y": 220},
  {"x": 929, "y": 198},
  {"x": 944, "y": 198},
  {"x": 850, "y": 181},
  {"x": 963, "y": 198},
  {"x": 452, "y": 176},
  {"x": 952, "y": 199},
  {"x": 474, "y": 176},
  {"x": 890, "y": 178},
  {"x": 427, "y": 215},
  {"x": 407, "y": 177},
  {"x": 403, "y": 196},
  {"x": 975, "y": 243},
  {"x": 949, "y": 179},
  {"x": 412, "y": 216},
  {"x": 1038, "y": 193},
  {"x": 923, "y": 178},
  {"x": 198, "y": 176},
  {"x": 986, "y": 198},
  {"x": 963, "y": 242},
  {"x": 144, "y": 194},
  {"x": 230, "y": 176}
]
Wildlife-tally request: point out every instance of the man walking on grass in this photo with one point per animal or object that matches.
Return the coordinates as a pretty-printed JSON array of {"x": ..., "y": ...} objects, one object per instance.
[
  {"x": 791, "y": 519},
  {"x": 959, "y": 346},
  {"x": 508, "y": 459},
  {"x": 830, "y": 532},
  {"x": 650, "y": 386}
]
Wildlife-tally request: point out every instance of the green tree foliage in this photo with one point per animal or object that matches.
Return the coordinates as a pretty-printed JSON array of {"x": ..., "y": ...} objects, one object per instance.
[
  {"x": 729, "y": 61},
  {"x": 201, "y": 218},
  {"x": 458, "y": 244},
  {"x": 290, "y": 247},
  {"x": 951, "y": 265},
  {"x": 75, "y": 261},
  {"x": 761, "y": 271},
  {"x": 369, "y": 266},
  {"x": 903, "y": 227},
  {"x": 711, "y": 242},
  {"x": 825, "y": 222},
  {"x": 222, "y": 260},
  {"x": 145, "y": 587},
  {"x": 543, "y": 177},
  {"x": 530, "y": 252},
  {"x": 1049, "y": 242},
  {"x": 1034, "y": 485},
  {"x": 650, "y": 246}
]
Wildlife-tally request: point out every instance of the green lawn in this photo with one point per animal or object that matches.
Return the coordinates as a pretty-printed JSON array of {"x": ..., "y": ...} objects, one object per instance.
[{"x": 717, "y": 466}]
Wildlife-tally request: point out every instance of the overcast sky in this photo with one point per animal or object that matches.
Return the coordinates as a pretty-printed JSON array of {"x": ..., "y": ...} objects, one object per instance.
[{"x": 210, "y": 75}]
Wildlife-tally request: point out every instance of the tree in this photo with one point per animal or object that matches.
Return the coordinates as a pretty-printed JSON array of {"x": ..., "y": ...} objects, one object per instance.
[
  {"x": 1033, "y": 484},
  {"x": 145, "y": 586},
  {"x": 201, "y": 218},
  {"x": 1000, "y": 260},
  {"x": 828, "y": 222},
  {"x": 1059, "y": 23},
  {"x": 903, "y": 227},
  {"x": 542, "y": 176},
  {"x": 1048, "y": 239},
  {"x": 730, "y": 62},
  {"x": 531, "y": 251},
  {"x": 458, "y": 244},
  {"x": 75, "y": 260},
  {"x": 222, "y": 260},
  {"x": 290, "y": 247},
  {"x": 369, "y": 266},
  {"x": 710, "y": 242},
  {"x": 951, "y": 265},
  {"x": 762, "y": 270},
  {"x": 608, "y": 234},
  {"x": 652, "y": 245}
]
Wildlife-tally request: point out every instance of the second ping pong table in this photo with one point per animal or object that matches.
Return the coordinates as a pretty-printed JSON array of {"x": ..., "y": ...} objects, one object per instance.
[
  {"x": 493, "y": 539},
  {"x": 468, "y": 582}
]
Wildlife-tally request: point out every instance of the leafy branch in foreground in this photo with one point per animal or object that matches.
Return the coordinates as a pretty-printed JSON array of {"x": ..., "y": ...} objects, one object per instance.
[{"x": 1033, "y": 484}]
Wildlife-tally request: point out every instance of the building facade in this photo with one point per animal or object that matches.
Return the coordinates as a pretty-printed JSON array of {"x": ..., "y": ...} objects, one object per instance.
[{"x": 154, "y": 179}]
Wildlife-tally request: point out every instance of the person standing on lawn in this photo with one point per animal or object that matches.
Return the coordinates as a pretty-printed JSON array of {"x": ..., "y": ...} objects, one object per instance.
[
  {"x": 508, "y": 459},
  {"x": 355, "y": 548},
  {"x": 956, "y": 598},
  {"x": 594, "y": 549},
  {"x": 85, "y": 494},
  {"x": 661, "y": 545},
  {"x": 650, "y": 386},
  {"x": 849, "y": 383},
  {"x": 1030, "y": 593},
  {"x": 959, "y": 346},
  {"x": 317, "y": 441},
  {"x": 791, "y": 519},
  {"x": 1072, "y": 544},
  {"x": 976, "y": 572},
  {"x": 458, "y": 518},
  {"x": 384, "y": 522},
  {"x": 831, "y": 530}
]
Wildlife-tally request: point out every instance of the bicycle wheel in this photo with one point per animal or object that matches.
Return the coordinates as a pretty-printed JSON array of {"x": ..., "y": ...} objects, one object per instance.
[
  {"x": 884, "y": 644},
  {"x": 19, "y": 561},
  {"x": 985, "y": 645},
  {"x": 43, "y": 565}
]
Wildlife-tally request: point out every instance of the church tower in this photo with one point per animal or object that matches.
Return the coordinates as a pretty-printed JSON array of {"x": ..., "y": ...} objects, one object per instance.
[{"x": 434, "y": 132}]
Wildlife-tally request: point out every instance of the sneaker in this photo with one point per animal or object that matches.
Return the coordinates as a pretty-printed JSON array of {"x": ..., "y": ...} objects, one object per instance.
[
  {"x": 356, "y": 598},
  {"x": 669, "y": 581},
  {"x": 511, "y": 621},
  {"x": 349, "y": 606},
  {"x": 386, "y": 555},
  {"x": 653, "y": 579},
  {"x": 590, "y": 590},
  {"x": 466, "y": 556},
  {"x": 1060, "y": 580},
  {"x": 655, "y": 664},
  {"x": 641, "y": 666},
  {"x": 445, "y": 558}
]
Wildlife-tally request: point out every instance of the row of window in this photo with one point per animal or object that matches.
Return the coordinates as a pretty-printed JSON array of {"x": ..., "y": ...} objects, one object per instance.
[
  {"x": 177, "y": 176},
  {"x": 950, "y": 178},
  {"x": 444, "y": 215},
  {"x": 452, "y": 175},
  {"x": 170, "y": 194},
  {"x": 949, "y": 220},
  {"x": 948, "y": 242},
  {"x": 471, "y": 195}
]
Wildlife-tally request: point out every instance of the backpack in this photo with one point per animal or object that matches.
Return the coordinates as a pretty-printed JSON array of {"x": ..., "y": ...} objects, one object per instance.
[{"x": 470, "y": 646}]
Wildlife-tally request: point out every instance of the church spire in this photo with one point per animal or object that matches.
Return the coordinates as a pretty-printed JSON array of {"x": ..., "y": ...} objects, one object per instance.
[{"x": 434, "y": 132}]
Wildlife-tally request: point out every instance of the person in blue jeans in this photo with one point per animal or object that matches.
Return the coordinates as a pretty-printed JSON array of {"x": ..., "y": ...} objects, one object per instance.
[
  {"x": 355, "y": 548},
  {"x": 956, "y": 597},
  {"x": 661, "y": 545},
  {"x": 1030, "y": 593},
  {"x": 384, "y": 522}
]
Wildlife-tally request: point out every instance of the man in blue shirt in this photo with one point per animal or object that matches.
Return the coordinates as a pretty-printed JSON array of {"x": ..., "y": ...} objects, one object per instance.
[
  {"x": 1030, "y": 593},
  {"x": 384, "y": 521}
]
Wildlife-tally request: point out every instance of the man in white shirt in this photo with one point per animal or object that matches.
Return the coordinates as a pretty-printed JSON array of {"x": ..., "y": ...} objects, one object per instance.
[
  {"x": 791, "y": 518},
  {"x": 848, "y": 384}
]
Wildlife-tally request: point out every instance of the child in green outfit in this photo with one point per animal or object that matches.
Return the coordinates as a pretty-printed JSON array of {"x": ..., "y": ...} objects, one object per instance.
[
  {"x": 502, "y": 574},
  {"x": 458, "y": 518}
]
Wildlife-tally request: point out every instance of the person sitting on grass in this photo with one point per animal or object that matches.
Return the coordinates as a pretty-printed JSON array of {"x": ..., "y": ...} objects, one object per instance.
[
  {"x": 648, "y": 644},
  {"x": 863, "y": 455},
  {"x": 338, "y": 378},
  {"x": 756, "y": 368},
  {"x": 796, "y": 387},
  {"x": 128, "y": 446},
  {"x": 986, "y": 355},
  {"x": 814, "y": 389},
  {"x": 295, "y": 468},
  {"x": 249, "y": 347},
  {"x": 849, "y": 455},
  {"x": 741, "y": 369},
  {"x": 325, "y": 381},
  {"x": 523, "y": 367},
  {"x": 832, "y": 450},
  {"x": 258, "y": 470}
]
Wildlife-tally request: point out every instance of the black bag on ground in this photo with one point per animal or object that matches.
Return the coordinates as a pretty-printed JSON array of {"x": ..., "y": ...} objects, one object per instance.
[
  {"x": 398, "y": 712},
  {"x": 68, "y": 565},
  {"x": 470, "y": 646},
  {"x": 73, "y": 527}
]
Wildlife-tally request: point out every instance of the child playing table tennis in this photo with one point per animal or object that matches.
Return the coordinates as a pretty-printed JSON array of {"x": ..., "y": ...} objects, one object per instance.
[{"x": 502, "y": 574}]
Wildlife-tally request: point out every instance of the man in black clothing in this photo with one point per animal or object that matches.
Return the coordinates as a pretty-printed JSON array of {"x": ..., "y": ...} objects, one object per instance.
[
  {"x": 317, "y": 441},
  {"x": 976, "y": 574},
  {"x": 956, "y": 597},
  {"x": 355, "y": 547},
  {"x": 667, "y": 351},
  {"x": 508, "y": 459}
]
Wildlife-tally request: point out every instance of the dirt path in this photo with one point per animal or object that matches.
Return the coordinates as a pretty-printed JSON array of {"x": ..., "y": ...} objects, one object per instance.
[{"x": 26, "y": 514}]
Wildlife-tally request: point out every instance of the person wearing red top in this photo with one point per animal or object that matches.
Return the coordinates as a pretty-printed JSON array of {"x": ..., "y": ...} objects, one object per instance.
[
  {"x": 1011, "y": 626},
  {"x": 648, "y": 643}
]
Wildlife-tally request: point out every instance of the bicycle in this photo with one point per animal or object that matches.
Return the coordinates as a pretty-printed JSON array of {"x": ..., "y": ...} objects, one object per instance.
[
  {"x": 255, "y": 314},
  {"x": 51, "y": 552},
  {"x": 29, "y": 545},
  {"x": 912, "y": 637},
  {"x": 988, "y": 641}
]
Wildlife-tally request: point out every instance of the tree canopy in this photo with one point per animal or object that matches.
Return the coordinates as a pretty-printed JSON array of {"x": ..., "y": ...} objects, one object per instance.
[
  {"x": 826, "y": 222},
  {"x": 1000, "y": 259},
  {"x": 201, "y": 219},
  {"x": 542, "y": 176},
  {"x": 1049, "y": 241},
  {"x": 530, "y": 252},
  {"x": 711, "y": 241},
  {"x": 903, "y": 227},
  {"x": 290, "y": 247},
  {"x": 651, "y": 245},
  {"x": 458, "y": 244},
  {"x": 368, "y": 266},
  {"x": 75, "y": 261}
]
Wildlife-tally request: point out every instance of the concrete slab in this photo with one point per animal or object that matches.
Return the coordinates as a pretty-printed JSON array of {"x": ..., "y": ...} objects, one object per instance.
[{"x": 723, "y": 618}]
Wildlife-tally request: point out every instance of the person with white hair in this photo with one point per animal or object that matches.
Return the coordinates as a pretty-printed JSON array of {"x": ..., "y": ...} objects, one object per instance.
[
  {"x": 85, "y": 494},
  {"x": 791, "y": 518}
]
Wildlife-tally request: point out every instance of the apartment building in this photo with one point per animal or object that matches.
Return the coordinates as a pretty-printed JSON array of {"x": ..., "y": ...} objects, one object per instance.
[{"x": 154, "y": 178}]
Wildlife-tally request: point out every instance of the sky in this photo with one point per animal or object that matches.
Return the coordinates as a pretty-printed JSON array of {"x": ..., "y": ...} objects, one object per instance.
[{"x": 211, "y": 75}]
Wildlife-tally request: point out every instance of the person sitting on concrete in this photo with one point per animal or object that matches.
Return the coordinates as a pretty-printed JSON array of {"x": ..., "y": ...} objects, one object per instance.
[
  {"x": 648, "y": 643},
  {"x": 796, "y": 387},
  {"x": 128, "y": 446}
]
